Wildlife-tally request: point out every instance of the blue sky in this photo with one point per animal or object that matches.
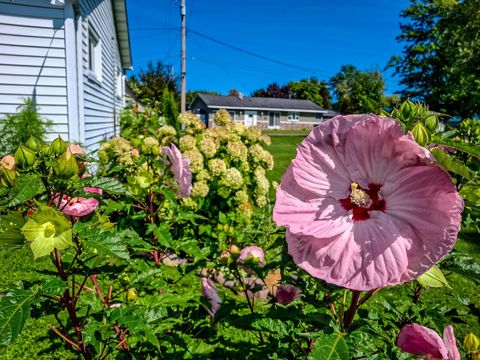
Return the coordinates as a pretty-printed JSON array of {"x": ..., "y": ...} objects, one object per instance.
[{"x": 316, "y": 37}]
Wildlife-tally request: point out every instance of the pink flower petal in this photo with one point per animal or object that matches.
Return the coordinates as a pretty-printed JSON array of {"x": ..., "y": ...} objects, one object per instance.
[
  {"x": 450, "y": 343},
  {"x": 420, "y": 340},
  {"x": 180, "y": 169},
  {"x": 93, "y": 190},
  {"x": 409, "y": 221},
  {"x": 79, "y": 206},
  {"x": 209, "y": 290}
]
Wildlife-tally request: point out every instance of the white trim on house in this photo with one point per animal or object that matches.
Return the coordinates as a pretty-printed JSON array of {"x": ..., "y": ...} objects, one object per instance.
[
  {"x": 247, "y": 116},
  {"x": 266, "y": 109},
  {"x": 71, "y": 67},
  {"x": 80, "y": 71}
]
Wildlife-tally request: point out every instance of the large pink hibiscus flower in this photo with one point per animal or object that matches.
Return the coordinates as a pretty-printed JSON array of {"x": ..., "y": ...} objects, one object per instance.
[
  {"x": 180, "y": 170},
  {"x": 365, "y": 206}
]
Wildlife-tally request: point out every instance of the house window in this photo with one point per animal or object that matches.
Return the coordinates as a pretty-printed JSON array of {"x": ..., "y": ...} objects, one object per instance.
[
  {"x": 94, "y": 55},
  {"x": 232, "y": 115},
  {"x": 293, "y": 116},
  {"x": 119, "y": 84},
  {"x": 318, "y": 117}
]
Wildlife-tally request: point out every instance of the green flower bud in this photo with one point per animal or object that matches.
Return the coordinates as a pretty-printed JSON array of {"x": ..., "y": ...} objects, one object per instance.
[
  {"x": 67, "y": 166},
  {"x": 25, "y": 157},
  {"x": 58, "y": 146},
  {"x": 33, "y": 144},
  {"x": 7, "y": 175},
  {"x": 421, "y": 134},
  {"x": 431, "y": 123},
  {"x": 45, "y": 150},
  {"x": 471, "y": 343},
  {"x": 132, "y": 295}
]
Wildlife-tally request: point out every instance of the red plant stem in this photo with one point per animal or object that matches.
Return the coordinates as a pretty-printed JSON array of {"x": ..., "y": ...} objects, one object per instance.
[
  {"x": 64, "y": 337},
  {"x": 327, "y": 298},
  {"x": 350, "y": 314},
  {"x": 69, "y": 302},
  {"x": 367, "y": 296},
  {"x": 106, "y": 303}
]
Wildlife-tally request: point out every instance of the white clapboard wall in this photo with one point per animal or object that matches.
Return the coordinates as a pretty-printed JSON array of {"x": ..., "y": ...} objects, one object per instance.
[{"x": 44, "y": 55}]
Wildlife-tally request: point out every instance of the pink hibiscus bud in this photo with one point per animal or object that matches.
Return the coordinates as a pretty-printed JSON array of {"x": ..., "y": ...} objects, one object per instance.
[
  {"x": 253, "y": 254},
  {"x": 75, "y": 149},
  {"x": 8, "y": 162},
  {"x": 365, "y": 206},
  {"x": 209, "y": 290},
  {"x": 78, "y": 206},
  {"x": 286, "y": 293},
  {"x": 180, "y": 167},
  {"x": 420, "y": 340}
]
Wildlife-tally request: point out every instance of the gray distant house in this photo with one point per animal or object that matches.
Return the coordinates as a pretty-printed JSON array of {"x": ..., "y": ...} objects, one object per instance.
[
  {"x": 271, "y": 113},
  {"x": 70, "y": 57}
]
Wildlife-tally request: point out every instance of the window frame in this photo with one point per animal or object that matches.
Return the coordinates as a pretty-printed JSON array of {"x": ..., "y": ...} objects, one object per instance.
[
  {"x": 94, "y": 55},
  {"x": 293, "y": 116}
]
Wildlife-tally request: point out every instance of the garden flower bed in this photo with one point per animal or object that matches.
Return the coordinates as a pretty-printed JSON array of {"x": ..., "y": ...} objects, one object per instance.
[{"x": 177, "y": 247}]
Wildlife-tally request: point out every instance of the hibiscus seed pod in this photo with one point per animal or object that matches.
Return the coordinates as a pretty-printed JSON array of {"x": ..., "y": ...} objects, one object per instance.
[
  {"x": 431, "y": 123},
  {"x": 7, "y": 175},
  {"x": 421, "y": 134},
  {"x": 45, "y": 151},
  {"x": 66, "y": 166},
  {"x": 471, "y": 343},
  {"x": 25, "y": 157},
  {"x": 58, "y": 146},
  {"x": 33, "y": 144}
]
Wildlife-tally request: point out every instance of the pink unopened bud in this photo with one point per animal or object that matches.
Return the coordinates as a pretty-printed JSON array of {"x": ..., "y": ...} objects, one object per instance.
[
  {"x": 8, "y": 162},
  {"x": 135, "y": 153},
  {"x": 253, "y": 254},
  {"x": 286, "y": 293}
]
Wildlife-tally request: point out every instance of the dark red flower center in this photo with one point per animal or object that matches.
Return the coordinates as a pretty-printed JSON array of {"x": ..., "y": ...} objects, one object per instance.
[{"x": 356, "y": 201}]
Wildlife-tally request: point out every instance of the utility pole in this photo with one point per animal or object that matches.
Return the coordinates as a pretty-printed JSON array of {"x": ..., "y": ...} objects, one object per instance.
[{"x": 183, "y": 98}]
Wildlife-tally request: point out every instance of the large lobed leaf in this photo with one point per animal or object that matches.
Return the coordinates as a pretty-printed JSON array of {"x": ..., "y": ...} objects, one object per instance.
[
  {"x": 109, "y": 185},
  {"x": 330, "y": 347},
  {"x": 14, "y": 311},
  {"x": 106, "y": 243},
  {"x": 471, "y": 149},
  {"x": 453, "y": 165},
  {"x": 24, "y": 188}
]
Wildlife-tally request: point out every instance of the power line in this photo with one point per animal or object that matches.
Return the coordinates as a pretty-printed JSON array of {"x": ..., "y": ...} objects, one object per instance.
[{"x": 266, "y": 58}]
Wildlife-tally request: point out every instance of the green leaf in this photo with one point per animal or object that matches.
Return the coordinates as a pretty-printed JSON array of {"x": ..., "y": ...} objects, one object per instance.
[
  {"x": 451, "y": 164},
  {"x": 106, "y": 243},
  {"x": 24, "y": 188},
  {"x": 330, "y": 347},
  {"x": 271, "y": 325},
  {"x": 471, "y": 149},
  {"x": 463, "y": 264},
  {"x": 433, "y": 278},
  {"x": 11, "y": 236},
  {"x": 54, "y": 286},
  {"x": 109, "y": 185},
  {"x": 14, "y": 310}
]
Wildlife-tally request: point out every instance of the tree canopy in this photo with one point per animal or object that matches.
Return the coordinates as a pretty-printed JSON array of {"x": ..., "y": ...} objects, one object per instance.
[
  {"x": 357, "y": 91},
  {"x": 309, "y": 89},
  {"x": 440, "y": 61},
  {"x": 150, "y": 83}
]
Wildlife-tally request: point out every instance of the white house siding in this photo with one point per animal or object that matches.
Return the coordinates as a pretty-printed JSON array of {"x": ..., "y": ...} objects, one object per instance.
[
  {"x": 32, "y": 60},
  {"x": 101, "y": 105}
]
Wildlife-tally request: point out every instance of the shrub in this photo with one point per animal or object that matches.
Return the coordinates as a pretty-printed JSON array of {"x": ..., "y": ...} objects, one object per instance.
[{"x": 18, "y": 128}]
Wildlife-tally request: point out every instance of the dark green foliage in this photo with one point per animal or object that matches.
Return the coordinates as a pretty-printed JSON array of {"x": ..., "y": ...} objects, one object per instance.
[
  {"x": 17, "y": 128},
  {"x": 308, "y": 89},
  {"x": 358, "y": 92},
  {"x": 150, "y": 83},
  {"x": 440, "y": 60},
  {"x": 170, "y": 109}
]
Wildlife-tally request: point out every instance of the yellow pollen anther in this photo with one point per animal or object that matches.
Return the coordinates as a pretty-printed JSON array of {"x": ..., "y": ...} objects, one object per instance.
[{"x": 358, "y": 196}]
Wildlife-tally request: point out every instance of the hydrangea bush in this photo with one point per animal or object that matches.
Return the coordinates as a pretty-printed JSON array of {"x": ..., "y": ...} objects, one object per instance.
[{"x": 171, "y": 250}]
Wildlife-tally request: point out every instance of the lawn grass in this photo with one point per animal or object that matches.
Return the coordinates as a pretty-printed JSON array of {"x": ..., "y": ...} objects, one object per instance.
[
  {"x": 302, "y": 132},
  {"x": 283, "y": 149}
]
